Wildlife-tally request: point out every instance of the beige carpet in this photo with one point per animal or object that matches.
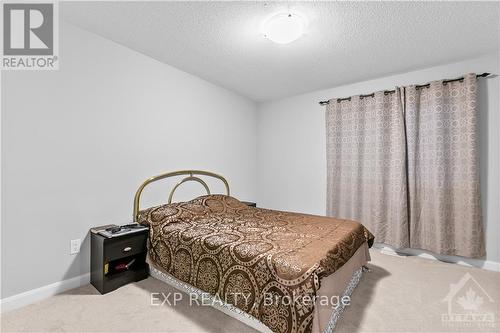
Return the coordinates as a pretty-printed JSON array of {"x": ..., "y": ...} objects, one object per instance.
[{"x": 399, "y": 294}]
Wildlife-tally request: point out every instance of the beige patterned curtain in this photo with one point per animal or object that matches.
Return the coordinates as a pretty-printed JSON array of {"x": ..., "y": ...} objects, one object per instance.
[
  {"x": 443, "y": 180},
  {"x": 366, "y": 178}
]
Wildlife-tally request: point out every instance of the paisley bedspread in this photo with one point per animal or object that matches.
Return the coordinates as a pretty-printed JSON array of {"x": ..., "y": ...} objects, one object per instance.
[{"x": 267, "y": 263}]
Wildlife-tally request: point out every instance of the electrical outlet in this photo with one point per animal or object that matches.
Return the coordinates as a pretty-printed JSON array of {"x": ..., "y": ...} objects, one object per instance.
[{"x": 75, "y": 246}]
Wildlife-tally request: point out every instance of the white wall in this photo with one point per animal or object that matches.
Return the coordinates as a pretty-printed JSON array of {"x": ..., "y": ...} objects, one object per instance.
[
  {"x": 77, "y": 142},
  {"x": 292, "y": 146}
]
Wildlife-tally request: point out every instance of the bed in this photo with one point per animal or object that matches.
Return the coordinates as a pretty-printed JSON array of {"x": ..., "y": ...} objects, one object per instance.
[{"x": 275, "y": 271}]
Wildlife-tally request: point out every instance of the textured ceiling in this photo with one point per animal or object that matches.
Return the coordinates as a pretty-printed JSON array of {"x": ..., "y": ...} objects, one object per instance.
[{"x": 345, "y": 41}]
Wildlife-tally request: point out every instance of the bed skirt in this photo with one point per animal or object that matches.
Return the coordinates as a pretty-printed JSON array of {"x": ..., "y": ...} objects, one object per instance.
[{"x": 241, "y": 315}]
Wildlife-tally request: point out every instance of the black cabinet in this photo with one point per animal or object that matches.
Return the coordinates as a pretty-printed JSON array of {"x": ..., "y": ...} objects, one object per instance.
[{"x": 117, "y": 261}]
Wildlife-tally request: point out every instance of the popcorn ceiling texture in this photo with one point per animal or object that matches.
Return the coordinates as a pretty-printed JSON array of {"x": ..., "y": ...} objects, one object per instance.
[{"x": 345, "y": 42}]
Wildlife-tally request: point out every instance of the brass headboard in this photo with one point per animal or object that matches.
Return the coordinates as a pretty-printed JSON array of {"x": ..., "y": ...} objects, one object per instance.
[{"x": 191, "y": 177}]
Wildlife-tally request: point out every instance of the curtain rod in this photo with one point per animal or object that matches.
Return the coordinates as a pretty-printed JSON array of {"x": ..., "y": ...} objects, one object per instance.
[{"x": 427, "y": 85}]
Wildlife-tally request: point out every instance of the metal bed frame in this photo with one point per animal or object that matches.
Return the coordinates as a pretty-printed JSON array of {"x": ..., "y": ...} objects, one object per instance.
[{"x": 191, "y": 177}]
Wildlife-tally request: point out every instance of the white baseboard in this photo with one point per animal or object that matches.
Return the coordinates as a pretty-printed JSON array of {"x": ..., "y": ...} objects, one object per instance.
[
  {"x": 38, "y": 294},
  {"x": 469, "y": 262}
]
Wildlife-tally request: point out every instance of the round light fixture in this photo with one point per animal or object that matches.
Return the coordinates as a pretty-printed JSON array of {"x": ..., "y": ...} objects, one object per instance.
[{"x": 284, "y": 28}]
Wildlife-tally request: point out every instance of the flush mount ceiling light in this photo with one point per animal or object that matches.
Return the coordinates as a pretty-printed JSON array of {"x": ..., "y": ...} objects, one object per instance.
[{"x": 284, "y": 28}]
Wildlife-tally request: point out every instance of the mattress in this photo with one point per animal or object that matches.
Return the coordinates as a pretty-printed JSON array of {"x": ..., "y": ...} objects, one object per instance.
[
  {"x": 340, "y": 284},
  {"x": 271, "y": 265}
]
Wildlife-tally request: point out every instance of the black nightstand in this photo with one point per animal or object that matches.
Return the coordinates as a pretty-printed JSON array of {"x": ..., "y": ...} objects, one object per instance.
[
  {"x": 117, "y": 261},
  {"x": 251, "y": 204}
]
